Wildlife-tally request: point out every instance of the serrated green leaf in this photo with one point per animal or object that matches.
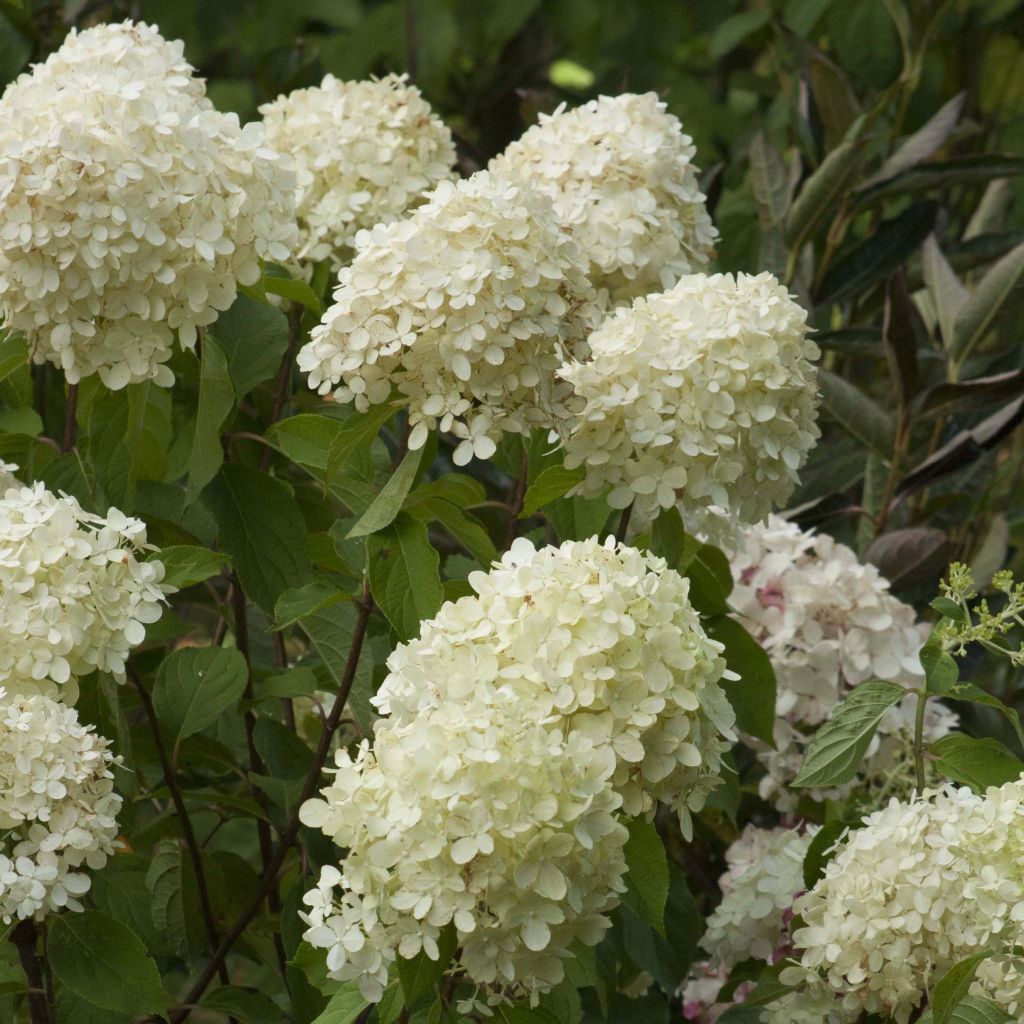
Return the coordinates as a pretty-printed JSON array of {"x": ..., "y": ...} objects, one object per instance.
[
  {"x": 389, "y": 502},
  {"x": 940, "y": 670},
  {"x": 104, "y": 963},
  {"x": 194, "y": 685},
  {"x": 465, "y": 528},
  {"x": 187, "y": 564},
  {"x": 296, "y": 604},
  {"x": 953, "y": 986},
  {"x": 837, "y": 748},
  {"x": 647, "y": 876},
  {"x": 356, "y": 432}
]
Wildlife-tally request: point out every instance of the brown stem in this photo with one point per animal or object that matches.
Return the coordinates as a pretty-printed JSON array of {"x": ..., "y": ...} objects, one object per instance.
[
  {"x": 170, "y": 777},
  {"x": 256, "y": 765},
  {"x": 70, "y": 411},
  {"x": 282, "y": 383},
  {"x": 25, "y": 938},
  {"x": 269, "y": 880},
  {"x": 515, "y": 501}
]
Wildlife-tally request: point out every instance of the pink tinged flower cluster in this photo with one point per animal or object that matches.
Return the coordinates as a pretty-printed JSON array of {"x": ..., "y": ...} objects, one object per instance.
[
  {"x": 57, "y": 806},
  {"x": 575, "y": 685},
  {"x": 364, "y": 152},
  {"x": 620, "y": 172},
  {"x": 703, "y": 395},
  {"x": 130, "y": 209}
]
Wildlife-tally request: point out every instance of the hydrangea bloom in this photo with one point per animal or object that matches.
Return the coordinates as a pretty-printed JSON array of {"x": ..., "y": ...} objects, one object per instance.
[
  {"x": 129, "y": 207},
  {"x": 828, "y": 623},
  {"x": 764, "y": 875},
  {"x": 620, "y": 173},
  {"x": 365, "y": 152},
  {"x": 57, "y": 806},
  {"x": 598, "y": 633},
  {"x": 576, "y": 682},
  {"x": 704, "y": 392},
  {"x": 921, "y": 886},
  {"x": 74, "y": 595},
  {"x": 466, "y": 308}
]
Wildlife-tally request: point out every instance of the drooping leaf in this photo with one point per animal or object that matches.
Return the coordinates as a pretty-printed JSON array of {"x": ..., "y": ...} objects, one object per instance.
[
  {"x": 647, "y": 876},
  {"x": 942, "y": 174},
  {"x": 194, "y": 685},
  {"x": 902, "y": 334},
  {"x": 975, "y": 762},
  {"x": 262, "y": 528},
  {"x": 216, "y": 400},
  {"x": 974, "y": 395},
  {"x": 104, "y": 963},
  {"x": 839, "y": 745},
  {"x": 419, "y": 975},
  {"x": 753, "y": 694},
  {"x": 820, "y": 850},
  {"x": 388, "y": 503}
]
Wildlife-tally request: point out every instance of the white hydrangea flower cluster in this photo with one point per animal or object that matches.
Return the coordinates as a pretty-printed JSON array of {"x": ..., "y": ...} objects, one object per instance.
[
  {"x": 466, "y": 307},
  {"x": 574, "y": 684},
  {"x": 703, "y": 394},
  {"x": 620, "y": 172},
  {"x": 365, "y": 152},
  {"x": 74, "y": 595},
  {"x": 828, "y": 622},
  {"x": 57, "y": 806},
  {"x": 129, "y": 207},
  {"x": 764, "y": 875},
  {"x": 923, "y": 885}
]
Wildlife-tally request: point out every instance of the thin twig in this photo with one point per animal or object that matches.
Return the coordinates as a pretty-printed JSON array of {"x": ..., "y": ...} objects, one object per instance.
[
  {"x": 24, "y": 936},
  {"x": 70, "y": 412},
  {"x": 269, "y": 880},
  {"x": 191, "y": 844}
]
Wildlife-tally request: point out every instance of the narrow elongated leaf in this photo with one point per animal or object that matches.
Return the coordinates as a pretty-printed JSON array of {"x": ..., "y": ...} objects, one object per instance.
[
  {"x": 647, "y": 877},
  {"x": 194, "y": 685},
  {"x": 918, "y": 554},
  {"x": 104, "y": 963},
  {"x": 836, "y": 750},
  {"x": 404, "y": 574},
  {"x": 821, "y": 189},
  {"x": 947, "y": 292},
  {"x": 980, "y": 313},
  {"x": 753, "y": 694},
  {"x": 942, "y": 174},
  {"x": 974, "y": 395},
  {"x": 388, "y": 503},
  {"x": 216, "y": 400},
  {"x": 975, "y": 762},
  {"x": 902, "y": 333},
  {"x": 861, "y": 417},
  {"x": 262, "y": 528}
]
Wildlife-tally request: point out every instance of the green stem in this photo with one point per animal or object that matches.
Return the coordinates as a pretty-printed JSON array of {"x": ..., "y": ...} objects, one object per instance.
[{"x": 922, "y": 702}]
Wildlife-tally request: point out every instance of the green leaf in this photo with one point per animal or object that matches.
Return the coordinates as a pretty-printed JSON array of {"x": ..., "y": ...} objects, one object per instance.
[
  {"x": 837, "y": 748},
  {"x": 907, "y": 557},
  {"x": 104, "y": 963},
  {"x": 820, "y": 191},
  {"x": 306, "y": 438},
  {"x": 262, "y": 528},
  {"x": 344, "y": 1007},
  {"x": 216, "y": 400},
  {"x": 978, "y": 1010},
  {"x": 404, "y": 572},
  {"x": 465, "y": 528},
  {"x": 980, "y": 313},
  {"x": 389, "y": 502},
  {"x": 296, "y": 682},
  {"x": 975, "y": 695},
  {"x": 978, "y": 763},
  {"x": 551, "y": 483},
  {"x": 528, "y": 1015},
  {"x": 13, "y": 353},
  {"x": 419, "y": 975},
  {"x": 802, "y": 15},
  {"x": 902, "y": 334},
  {"x": 296, "y": 604},
  {"x": 647, "y": 876},
  {"x": 187, "y": 564},
  {"x": 945, "y": 289},
  {"x": 356, "y": 433},
  {"x": 819, "y": 851},
  {"x": 940, "y": 670},
  {"x": 731, "y": 32},
  {"x": 254, "y": 337},
  {"x": 246, "y": 1005},
  {"x": 752, "y": 695},
  {"x": 953, "y": 986},
  {"x": 194, "y": 685},
  {"x": 292, "y": 289},
  {"x": 940, "y": 175},
  {"x": 857, "y": 414},
  {"x": 390, "y": 1007}
]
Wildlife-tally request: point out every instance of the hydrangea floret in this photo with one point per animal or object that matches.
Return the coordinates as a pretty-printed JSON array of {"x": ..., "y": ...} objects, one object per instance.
[
  {"x": 365, "y": 152},
  {"x": 620, "y": 172},
  {"x": 703, "y": 395},
  {"x": 130, "y": 209},
  {"x": 57, "y": 806}
]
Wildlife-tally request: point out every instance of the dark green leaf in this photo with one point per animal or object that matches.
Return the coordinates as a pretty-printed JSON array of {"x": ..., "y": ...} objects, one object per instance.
[
  {"x": 246, "y": 1005},
  {"x": 647, "y": 877},
  {"x": 819, "y": 852},
  {"x": 980, "y": 313},
  {"x": 953, "y": 986},
  {"x": 355, "y": 434},
  {"x": 419, "y": 975},
  {"x": 752, "y": 695},
  {"x": 940, "y": 670},
  {"x": 974, "y": 762},
  {"x": 465, "y": 528},
  {"x": 389, "y": 502},
  {"x": 296, "y": 604},
  {"x": 294, "y": 290},
  {"x": 194, "y": 686},
  {"x": 552, "y": 482},
  {"x": 861, "y": 417},
  {"x": 837, "y": 748},
  {"x": 975, "y": 395},
  {"x": 734, "y": 30},
  {"x": 942, "y": 174},
  {"x": 261, "y": 527},
  {"x": 186, "y": 564},
  {"x": 104, "y": 963},
  {"x": 820, "y": 191},
  {"x": 216, "y": 400},
  {"x": 902, "y": 333},
  {"x": 254, "y": 337}
]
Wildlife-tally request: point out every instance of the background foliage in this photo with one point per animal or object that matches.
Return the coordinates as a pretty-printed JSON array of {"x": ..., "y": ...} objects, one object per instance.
[{"x": 862, "y": 150}]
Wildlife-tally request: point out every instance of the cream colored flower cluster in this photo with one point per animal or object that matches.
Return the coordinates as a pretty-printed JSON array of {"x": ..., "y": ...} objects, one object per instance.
[
  {"x": 57, "y": 806},
  {"x": 365, "y": 152},
  {"x": 923, "y": 885},
  {"x": 576, "y": 683},
  {"x": 828, "y": 622},
  {"x": 704, "y": 394},
  {"x": 619, "y": 170},
  {"x": 466, "y": 308},
  {"x": 129, "y": 207},
  {"x": 74, "y": 595}
]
